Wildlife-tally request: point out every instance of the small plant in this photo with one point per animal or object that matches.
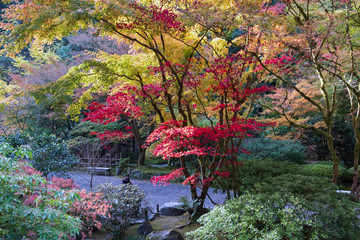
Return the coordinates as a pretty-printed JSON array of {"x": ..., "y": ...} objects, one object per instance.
[
  {"x": 192, "y": 207},
  {"x": 90, "y": 207},
  {"x": 126, "y": 202},
  {"x": 278, "y": 150}
]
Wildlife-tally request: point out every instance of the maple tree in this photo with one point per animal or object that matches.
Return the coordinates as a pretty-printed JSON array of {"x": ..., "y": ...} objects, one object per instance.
[
  {"x": 181, "y": 75},
  {"x": 311, "y": 34},
  {"x": 332, "y": 56}
]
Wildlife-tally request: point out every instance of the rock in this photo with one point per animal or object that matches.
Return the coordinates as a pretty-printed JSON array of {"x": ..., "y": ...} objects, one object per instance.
[
  {"x": 128, "y": 171},
  {"x": 165, "y": 235},
  {"x": 171, "y": 209},
  {"x": 137, "y": 174},
  {"x": 118, "y": 171},
  {"x": 145, "y": 228}
]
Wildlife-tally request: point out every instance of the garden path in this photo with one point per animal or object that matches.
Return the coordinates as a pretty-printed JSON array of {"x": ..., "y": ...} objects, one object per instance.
[{"x": 156, "y": 195}]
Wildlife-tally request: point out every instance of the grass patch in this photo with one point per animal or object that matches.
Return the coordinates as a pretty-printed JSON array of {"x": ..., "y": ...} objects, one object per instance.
[
  {"x": 155, "y": 161},
  {"x": 154, "y": 170}
]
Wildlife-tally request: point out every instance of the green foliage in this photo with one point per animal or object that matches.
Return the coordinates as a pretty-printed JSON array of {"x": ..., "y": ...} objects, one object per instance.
[
  {"x": 188, "y": 204},
  {"x": 278, "y": 150},
  {"x": 81, "y": 135},
  {"x": 126, "y": 201},
  {"x": 49, "y": 152},
  {"x": 348, "y": 175},
  {"x": 283, "y": 201},
  {"x": 279, "y": 216},
  {"x": 324, "y": 169},
  {"x": 192, "y": 207},
  {"x": 29, "y": 209},
  {"x": 21, "y": 152},
  {"x": 96, "y": 76},
  {"x": 255, "y": 171},
  {"x": 18, "y": 139},
  {"x": 311, "y": 187},
  {"x": 150, "y": 158}
]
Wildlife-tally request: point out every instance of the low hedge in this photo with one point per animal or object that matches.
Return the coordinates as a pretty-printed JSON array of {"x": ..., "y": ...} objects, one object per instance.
[
  {"x": 324, "y": 169},
  {"x": 279, "y": 216},
  {"x": 278, "y": 150}
]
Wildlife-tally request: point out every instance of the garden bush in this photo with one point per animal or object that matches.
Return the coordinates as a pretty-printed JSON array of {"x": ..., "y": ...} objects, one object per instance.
[
  {"x": 279, "y": 216},
  {"x": 49, "y": 152},
  {"x": 18, "y": 139},
  {"x": 255, "y": 171},
  {"x": 126, "y": 204},
  {"x": 324, "y": 169},
  {"x": 311, "y": 187},
  {"x": 151, "y": 158},
  {"x": 30, "y": 208},
  {"x": 278, "y": 150},
  {"x": 348, "y": 174}
]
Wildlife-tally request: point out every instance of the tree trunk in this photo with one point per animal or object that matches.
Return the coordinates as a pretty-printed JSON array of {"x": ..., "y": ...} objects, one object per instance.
[
  {"x": 139, "y": 143},
  {"x": 356, "y": 167},
  {"x": 334, "y": 157},
  {"x": 141, "y": 159},
  {"x": 356, "y": 156},
  {"x": 91, "y": 179},
  {"x": 186, "y": 175}
]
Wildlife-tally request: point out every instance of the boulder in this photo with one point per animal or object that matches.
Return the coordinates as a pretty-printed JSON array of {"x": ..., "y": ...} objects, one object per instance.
[
  {"x": 145, "y": 228},
  {"x": 137, "y": 174},
  {"x": 165, "y": 235},
  {"x": 171, "y": 209}
]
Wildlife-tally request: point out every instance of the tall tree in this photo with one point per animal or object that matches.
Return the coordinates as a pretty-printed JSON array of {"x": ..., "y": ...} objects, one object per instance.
[
  {"x": 181, "y": 70},
  {"x": 311, "y": 34}
]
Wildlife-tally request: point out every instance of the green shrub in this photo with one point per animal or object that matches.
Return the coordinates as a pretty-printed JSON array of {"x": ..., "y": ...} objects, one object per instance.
[
  {"x": 279, "y": 216},
  {"x": 278, "y": 150},
  {"x": 255, "y": 171},
  {"x": 30, "y": 208},
  {"x": 348, "y": 175},
  {"x": 311, "y": 187},
  {"x": 150, "y": 158},
  {"x": 49, "y": 152},
  {"x": 324, "y": 169},
  {"x": 18, "y": 139},
  {"x": 329, "y": 163},
  {"x": 126, "y": 201}
]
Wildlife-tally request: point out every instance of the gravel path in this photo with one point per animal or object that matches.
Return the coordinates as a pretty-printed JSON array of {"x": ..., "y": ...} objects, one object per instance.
[{"x": 156, "y": 195}]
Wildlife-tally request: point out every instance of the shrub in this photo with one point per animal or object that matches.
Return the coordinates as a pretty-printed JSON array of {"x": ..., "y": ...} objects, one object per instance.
[
  {"x": 348, "y": 175},
  {"x": 30, "y": 208},
  {"x": 255, "y": 171},
  {"x": 90, "y": 207},
  {"x": 279, "y": 216},
  {"x": 324, "y": 169},
  {"x": 18, "y": 139},
  {"x": 278, "y": 150},
  {"x": 49, "y": 152},
  {"x": 126, "y": 201},
  {"x": 311, "y": 187},
  {"x": 151, "y": 158}
]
